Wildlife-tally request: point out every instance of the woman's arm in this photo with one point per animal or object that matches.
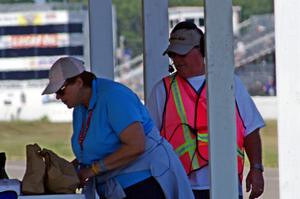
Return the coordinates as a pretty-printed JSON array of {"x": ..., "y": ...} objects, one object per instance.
[{"x": 133, "y": 145}]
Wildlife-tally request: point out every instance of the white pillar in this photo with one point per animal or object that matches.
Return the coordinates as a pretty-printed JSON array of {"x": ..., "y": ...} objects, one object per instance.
[
  {"x": 287, "y": 33},
  {"x": 155, "y": 34},
  {"x": 101, "y": 38},
  {"x": 221, "y": 116}
]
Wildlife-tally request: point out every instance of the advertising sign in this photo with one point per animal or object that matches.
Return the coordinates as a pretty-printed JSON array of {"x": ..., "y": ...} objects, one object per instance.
[{"x": 38, "y": 18}]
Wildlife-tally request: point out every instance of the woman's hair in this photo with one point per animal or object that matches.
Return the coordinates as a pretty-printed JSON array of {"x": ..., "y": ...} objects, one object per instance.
[
  {"x": 191, "y": 26},
  {"x": 85, "y": 76}
]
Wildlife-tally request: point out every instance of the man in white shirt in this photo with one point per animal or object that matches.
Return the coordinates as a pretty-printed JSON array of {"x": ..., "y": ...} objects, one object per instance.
[{"x": 177, "y": 105}]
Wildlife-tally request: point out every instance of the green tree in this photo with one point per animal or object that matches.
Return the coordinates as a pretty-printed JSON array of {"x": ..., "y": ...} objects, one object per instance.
[
  {"x": 129, "y": 23},
  {"x": 254, "y": 7},
  {"x": 186, "y": 3}
]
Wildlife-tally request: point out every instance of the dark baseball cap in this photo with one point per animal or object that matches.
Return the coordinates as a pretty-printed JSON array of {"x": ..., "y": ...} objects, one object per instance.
[{"x": 182, "y": 41}]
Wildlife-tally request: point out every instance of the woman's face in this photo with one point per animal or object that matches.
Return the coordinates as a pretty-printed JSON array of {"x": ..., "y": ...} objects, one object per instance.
[{"x": 69, "y": 94}]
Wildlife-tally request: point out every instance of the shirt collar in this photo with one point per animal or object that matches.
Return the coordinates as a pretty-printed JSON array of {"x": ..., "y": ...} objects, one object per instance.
[{"x": 93, "y": 99}]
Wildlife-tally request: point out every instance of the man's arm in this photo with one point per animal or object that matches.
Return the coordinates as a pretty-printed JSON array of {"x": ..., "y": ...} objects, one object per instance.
[
  {"x": 156, "y": 103},
  {"x": 254, "y": 180}
]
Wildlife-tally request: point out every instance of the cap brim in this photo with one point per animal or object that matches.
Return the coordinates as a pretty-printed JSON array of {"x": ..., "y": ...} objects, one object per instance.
[
  {"x": 53, "y": 87},
  {"x": 178, "y": 49}
]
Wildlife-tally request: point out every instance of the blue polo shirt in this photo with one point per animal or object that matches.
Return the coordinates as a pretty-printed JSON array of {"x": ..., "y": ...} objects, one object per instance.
[{"x": 114, "y": 108}]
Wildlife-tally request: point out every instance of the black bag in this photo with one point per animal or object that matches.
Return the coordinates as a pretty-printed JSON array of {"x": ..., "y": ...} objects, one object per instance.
[
  {"x": 3, "y": 174},
  {"x": 8, "y": 195}
]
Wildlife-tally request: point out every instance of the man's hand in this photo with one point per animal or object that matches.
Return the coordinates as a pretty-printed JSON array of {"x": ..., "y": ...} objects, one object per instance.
[
  {"x": 255, "y": 183},
  {"x": 255, "y": 179}
]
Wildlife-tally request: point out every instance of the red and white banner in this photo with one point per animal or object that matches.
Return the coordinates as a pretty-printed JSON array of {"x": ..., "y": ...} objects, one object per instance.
[{"x": 40, "y": 40}]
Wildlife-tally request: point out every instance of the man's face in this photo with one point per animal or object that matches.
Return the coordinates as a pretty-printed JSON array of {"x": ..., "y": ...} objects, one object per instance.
[{"x": 188, "y": 65}]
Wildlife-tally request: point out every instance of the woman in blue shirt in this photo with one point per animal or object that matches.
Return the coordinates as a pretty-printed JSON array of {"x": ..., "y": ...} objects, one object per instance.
[{"x": 116, "y": 145}]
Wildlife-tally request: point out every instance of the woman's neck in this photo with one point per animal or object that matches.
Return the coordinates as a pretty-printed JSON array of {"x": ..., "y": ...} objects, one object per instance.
[{"x": 86, "y": 96}]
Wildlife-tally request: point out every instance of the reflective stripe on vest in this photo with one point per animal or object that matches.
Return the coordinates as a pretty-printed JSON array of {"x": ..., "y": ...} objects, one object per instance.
[
  {"x": 184, "y": 106},
  {"x": 189, "y": 144}
]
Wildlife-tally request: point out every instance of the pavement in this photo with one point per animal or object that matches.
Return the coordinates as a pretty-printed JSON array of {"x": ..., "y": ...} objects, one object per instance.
[{"x": 16, "y": 169}]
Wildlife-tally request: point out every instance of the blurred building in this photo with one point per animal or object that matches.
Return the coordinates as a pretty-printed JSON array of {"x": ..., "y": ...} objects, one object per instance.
[
  {"x": 32, "y": 37},
  {"x": 196, "y": 15}
]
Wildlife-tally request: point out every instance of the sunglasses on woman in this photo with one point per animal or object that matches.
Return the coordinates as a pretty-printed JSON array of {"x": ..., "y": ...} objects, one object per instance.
[{"x": 61, "y": 91}]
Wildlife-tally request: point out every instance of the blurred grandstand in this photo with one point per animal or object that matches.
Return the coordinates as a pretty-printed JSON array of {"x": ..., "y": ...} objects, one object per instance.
[
  {"x": 255, "y": 54},
  {"x": 254, "y": 50}
]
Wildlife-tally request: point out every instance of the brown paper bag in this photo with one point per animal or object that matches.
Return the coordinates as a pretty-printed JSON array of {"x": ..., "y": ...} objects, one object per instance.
[
  {"x": 61, "y": 176},
  {"x": 33, "y": 180}
]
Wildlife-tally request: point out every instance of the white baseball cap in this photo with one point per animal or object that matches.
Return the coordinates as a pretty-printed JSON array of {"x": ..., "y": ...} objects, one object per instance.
[{"x": 62, "y": 69}]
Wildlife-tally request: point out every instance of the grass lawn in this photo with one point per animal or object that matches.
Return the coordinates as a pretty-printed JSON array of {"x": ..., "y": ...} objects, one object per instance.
[
  {"x": 270, "y": 145},
  {"x": 16, "y": 135},
  {"x": 56, "y": 136}
]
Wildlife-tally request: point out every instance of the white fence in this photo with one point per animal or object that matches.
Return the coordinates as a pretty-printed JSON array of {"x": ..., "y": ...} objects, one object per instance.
[
  {"x": 267, "y": 106},
  {"x": 22, "y": 100}
]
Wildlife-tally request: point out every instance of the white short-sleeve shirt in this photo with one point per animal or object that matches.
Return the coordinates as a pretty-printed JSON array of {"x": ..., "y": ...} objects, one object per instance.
[{"x": 251, "y": 117}]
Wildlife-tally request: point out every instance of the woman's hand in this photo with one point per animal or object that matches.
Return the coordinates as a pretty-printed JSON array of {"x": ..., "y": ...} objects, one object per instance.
[
  {"x": 75, "y": 163},
  {"x": 133, "y": 145},
  {"x": 84, "y": 175}
]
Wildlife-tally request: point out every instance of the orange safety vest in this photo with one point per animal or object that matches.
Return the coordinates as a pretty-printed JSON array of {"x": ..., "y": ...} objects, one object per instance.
[{"x": 185, "y": 124}]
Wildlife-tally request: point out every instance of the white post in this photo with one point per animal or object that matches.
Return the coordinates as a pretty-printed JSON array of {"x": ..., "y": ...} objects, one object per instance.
[
  {"x": 156, "y": 33},
  {"x": 221, "y": 115},
  {"x": 86, "y": 37},
  {"x": 101, "y": 38},
  {"x": 287, "y": 31}
]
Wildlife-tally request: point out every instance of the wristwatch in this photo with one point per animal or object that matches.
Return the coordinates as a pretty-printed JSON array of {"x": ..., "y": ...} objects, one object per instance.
[{"x": 258, "y": 167}]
